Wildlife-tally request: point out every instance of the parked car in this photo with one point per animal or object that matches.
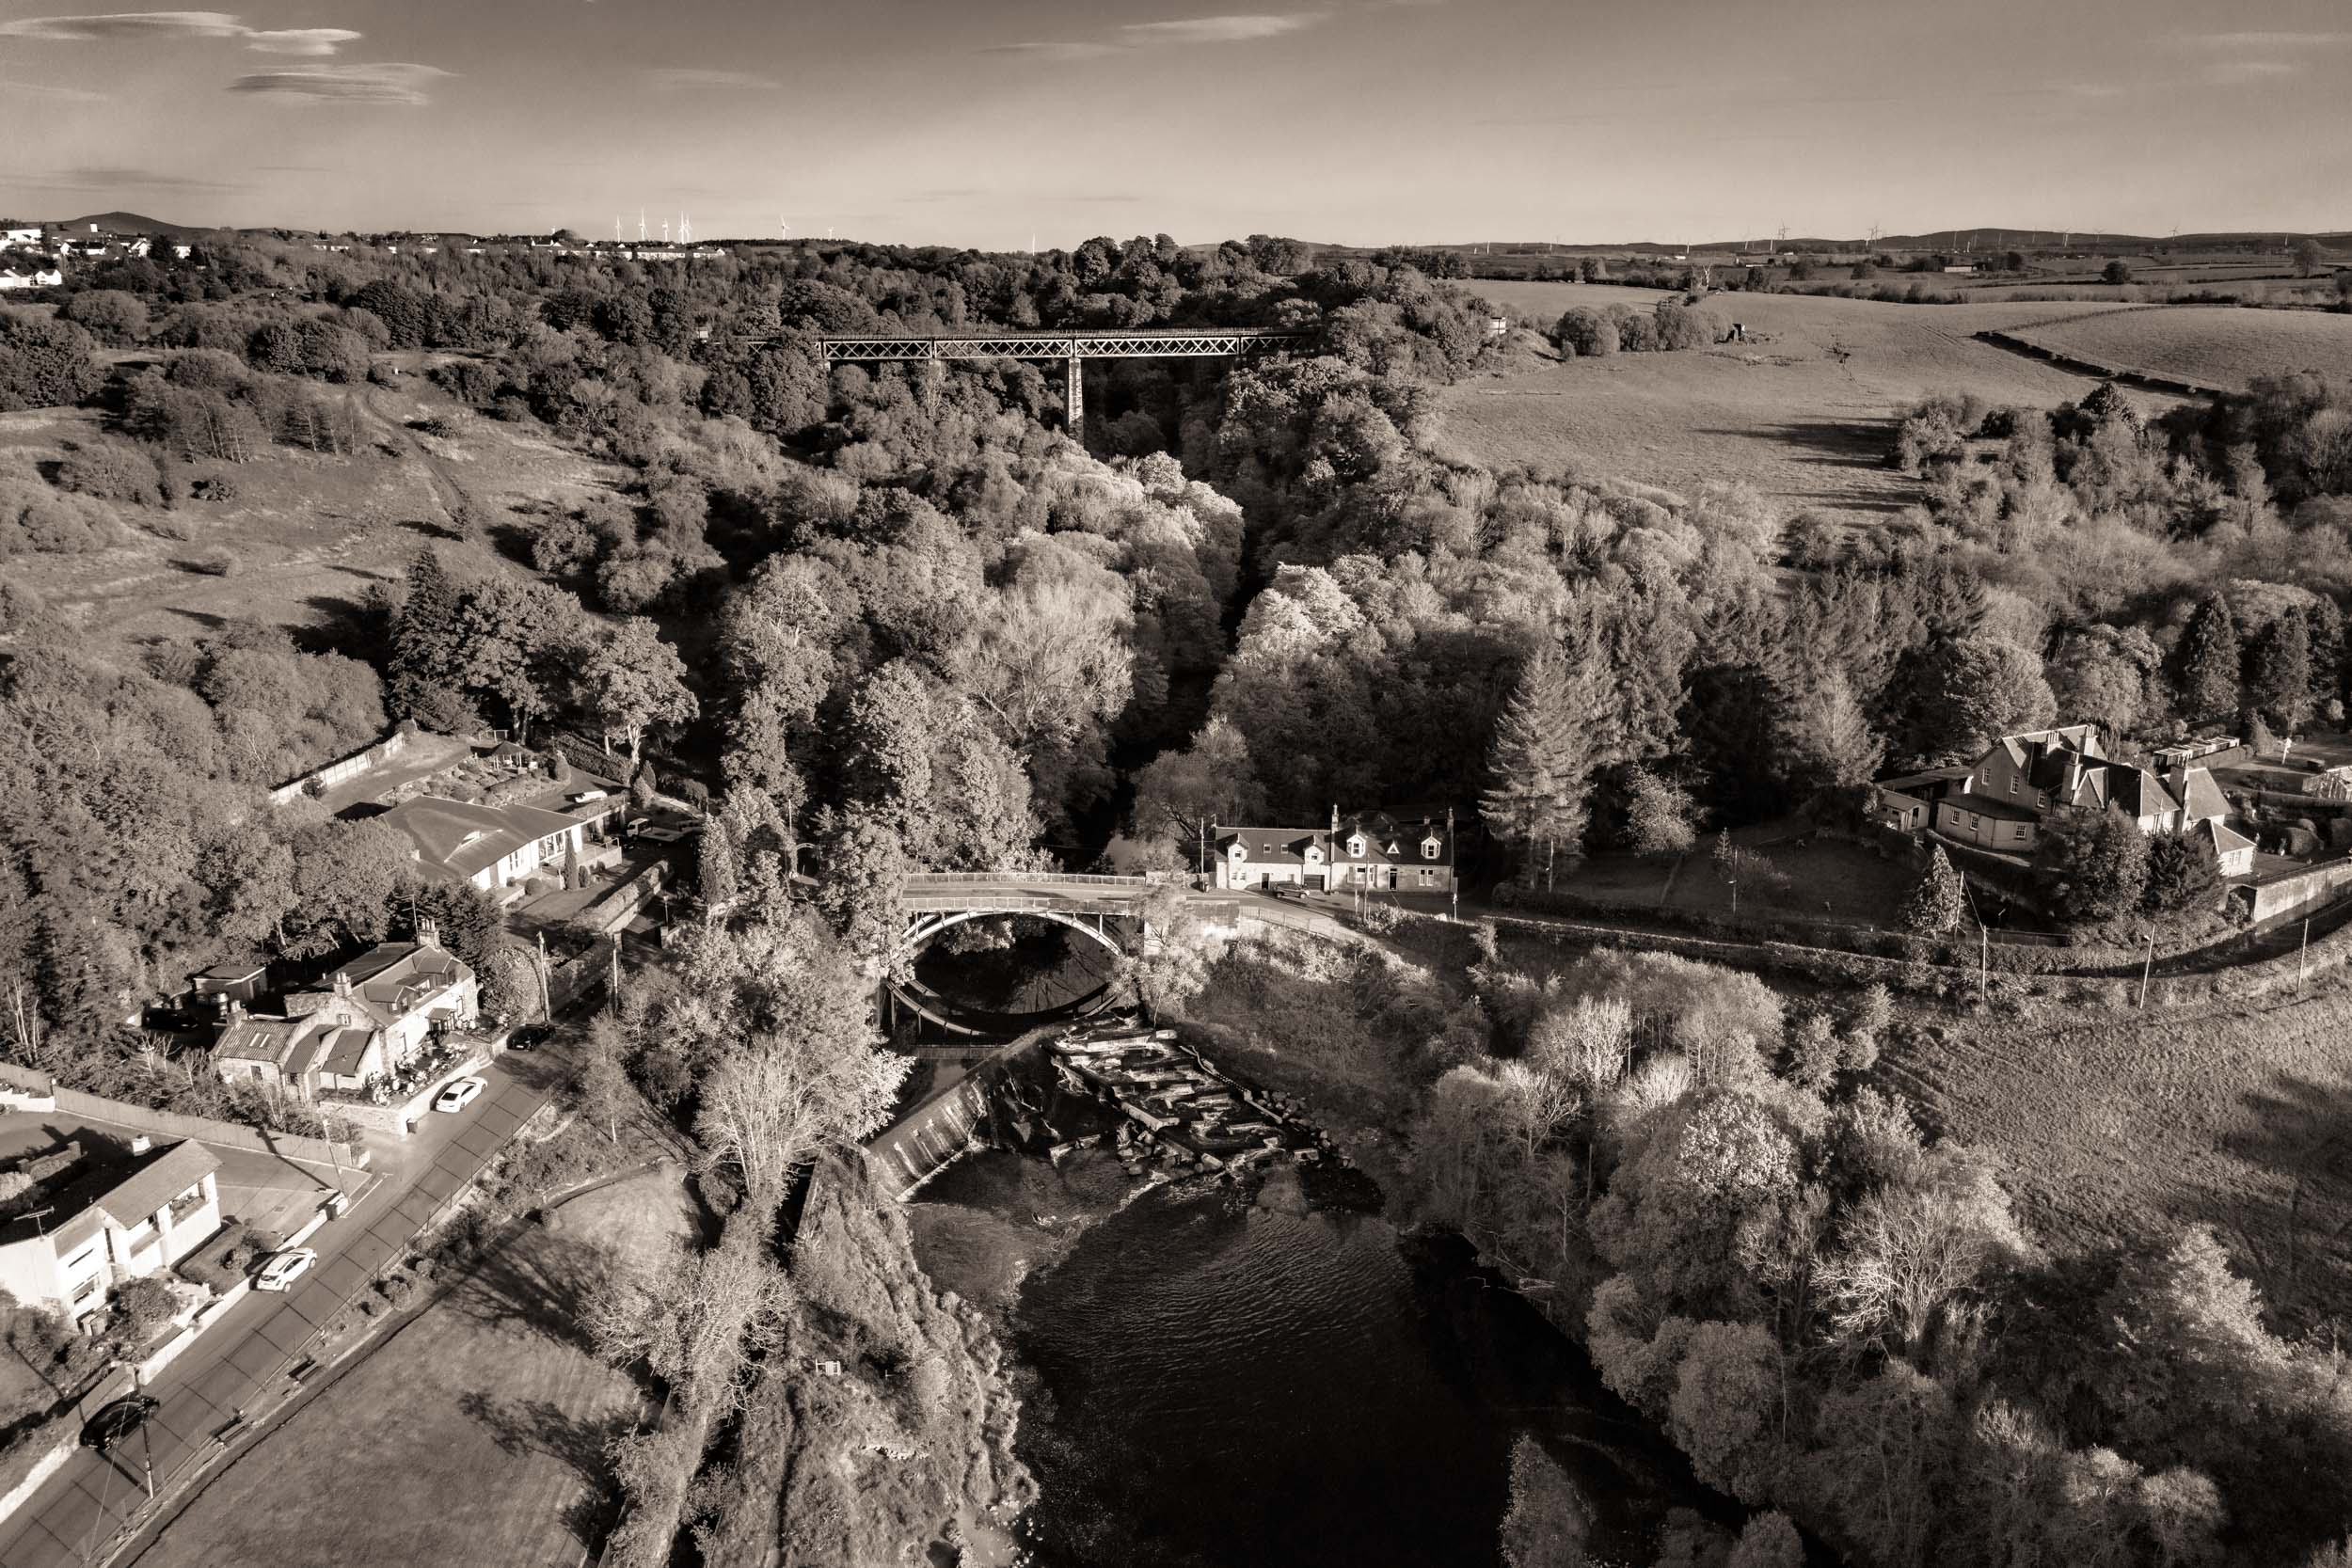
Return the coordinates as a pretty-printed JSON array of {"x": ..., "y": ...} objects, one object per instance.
[
  {"x": 1283, "y": 890},
  {"x": 116, "y": 1420},
  {"x": 281, "y": 1271},
  {"x": 529, "y": 1037},
  {"x": 458, "y": 1094}
]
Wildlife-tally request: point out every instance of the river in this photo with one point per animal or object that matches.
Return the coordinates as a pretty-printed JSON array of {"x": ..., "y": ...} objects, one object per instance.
[{"x": 1214, "y": 1379}]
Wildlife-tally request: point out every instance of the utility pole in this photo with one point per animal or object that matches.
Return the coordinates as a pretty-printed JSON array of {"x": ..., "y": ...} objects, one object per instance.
[
  {"x": 2146, "y": 964},
  {"x": 2302, "y": 958},
  {"x": 1985, "y": 958},
  {"x": 546, "y": 1009}
]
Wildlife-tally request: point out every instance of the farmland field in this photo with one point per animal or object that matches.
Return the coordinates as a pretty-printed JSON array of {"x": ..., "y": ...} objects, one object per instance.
[
  {"x": 2112, "y": 1126},
  {"x": 2213, "y": 344},
  {"x": 1801, "y": 413}
]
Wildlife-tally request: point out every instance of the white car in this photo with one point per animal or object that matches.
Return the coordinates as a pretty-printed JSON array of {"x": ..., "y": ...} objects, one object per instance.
[
  {"x": 281, "y": 1271},
  {"x": 458, "y": 1094}
]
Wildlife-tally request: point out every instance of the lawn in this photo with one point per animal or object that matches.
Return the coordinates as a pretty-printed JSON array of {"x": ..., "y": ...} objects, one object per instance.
[
  {"x": 1853, "y": 883},
  {"x": 1803, "y": 412},
  {"x": 309, "y": 534},
  {"x": 2114, "y": 1127},
  {"x": 2213, "y": 346},
  {"x": 476, "y": 1433}
]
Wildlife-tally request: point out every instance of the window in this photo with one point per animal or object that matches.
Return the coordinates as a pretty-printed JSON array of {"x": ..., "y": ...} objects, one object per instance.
[
  {"x": 1427, "y": 875},
  {"x": 1429, "y": 848},
  {"x": 83, "y": 1257},
  {"x": 2019, "y": 833},
  {"x": 551, "y": 846}
]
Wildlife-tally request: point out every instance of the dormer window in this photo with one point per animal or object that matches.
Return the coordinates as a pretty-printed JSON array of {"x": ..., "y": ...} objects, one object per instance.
[
  {"x": 1429, "y": 848},
  {"x": 1314, "y": 854},
  {"x": 1356, "y": 846},
  {"x": 1240, "y": 851}
]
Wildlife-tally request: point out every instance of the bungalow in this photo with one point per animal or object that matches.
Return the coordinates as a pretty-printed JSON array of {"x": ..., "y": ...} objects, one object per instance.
[
  {"x": 370, "y": 1017},
  {"x": 84, "y": 1226},
  {"x": 2002, "y": 801},
  {"x": 491, "y": 847},
  {"x": 1371, "y": 850},
  {"x": 38, "y": 278}
]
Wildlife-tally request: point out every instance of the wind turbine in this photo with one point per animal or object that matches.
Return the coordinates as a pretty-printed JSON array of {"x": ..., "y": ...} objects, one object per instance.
[{"x": 641, "y": 226}]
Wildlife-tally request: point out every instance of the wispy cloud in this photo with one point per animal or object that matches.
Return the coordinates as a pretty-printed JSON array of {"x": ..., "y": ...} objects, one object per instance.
[
  {"x": 2265, "y": 40},
  {"x": 1054, "y": 52},
  {"x": 389, "y": 83},
  {"x": 179, "y": 24},
  {"x": 50, "y": 94},
  {"x": 1239, "y": 29},
  {"x": 2236, "y": 73},
  {"x": 679, "y": 79},
  {"x": 1222, "y": 29},
  {"x": 93, "y": 179}
]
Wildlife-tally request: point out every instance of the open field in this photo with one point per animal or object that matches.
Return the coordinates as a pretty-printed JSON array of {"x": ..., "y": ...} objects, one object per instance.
[
  {"x": 2112, "y": 1128},
  {"x": 308, "y": 533},
  {"x": 2215, "y": 344},
  {"x": 1827, "y": 879},
  {"x": 1801, "y": 413},
  {"x": 476, "y": 1433}
]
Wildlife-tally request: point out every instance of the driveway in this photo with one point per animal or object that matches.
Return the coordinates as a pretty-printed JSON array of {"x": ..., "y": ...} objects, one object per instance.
[{"x": 242, "y": 1362}]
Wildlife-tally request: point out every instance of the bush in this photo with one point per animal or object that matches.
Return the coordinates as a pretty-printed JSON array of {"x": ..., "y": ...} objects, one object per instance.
[
  {"x": 112, "y": 316},
  {"x": 113, "y": 471},
  {"x": 36, "y": 519},
  {"x": 1586, "y": 332},
  {"x": 46, "y": 363}
]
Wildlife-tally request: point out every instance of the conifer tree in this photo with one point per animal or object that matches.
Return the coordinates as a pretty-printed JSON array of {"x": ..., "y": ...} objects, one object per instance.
[
  {"x": 2206, "y": 662},
  {"x": 1537, "y": 798},
  {"x": 1939, "y": 902},
  {"x": 2278, "y": 672},
  {"x": 421, "y": 675}
]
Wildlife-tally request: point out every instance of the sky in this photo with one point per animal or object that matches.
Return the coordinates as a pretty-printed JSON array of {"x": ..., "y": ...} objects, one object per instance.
[{"x": 992, "y": 123}]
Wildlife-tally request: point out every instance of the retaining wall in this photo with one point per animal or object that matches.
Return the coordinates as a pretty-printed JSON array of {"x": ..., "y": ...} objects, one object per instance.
[{"x": 335, "y": 772}]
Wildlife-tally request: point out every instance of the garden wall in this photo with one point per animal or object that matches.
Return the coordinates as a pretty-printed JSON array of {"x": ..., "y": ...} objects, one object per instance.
[
  {"x": 171, "y": 1124},
  {"x": 2269, "y": 899},
  {"x": 335, "y": 772}
]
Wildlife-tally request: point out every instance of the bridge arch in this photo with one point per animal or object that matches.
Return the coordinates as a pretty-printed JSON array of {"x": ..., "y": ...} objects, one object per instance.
[{"x": 904, "y": 991}]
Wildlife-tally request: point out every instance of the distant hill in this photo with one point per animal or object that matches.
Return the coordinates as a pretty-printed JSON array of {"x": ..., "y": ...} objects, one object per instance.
[{"x": 130, "y": 223}]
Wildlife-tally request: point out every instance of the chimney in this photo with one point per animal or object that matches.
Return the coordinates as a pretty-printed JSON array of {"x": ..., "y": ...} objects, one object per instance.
[
  {"x": 343, "y": 982},
  {"x": 1335, "y": 820},
  {"x": 428, "y": 932}
]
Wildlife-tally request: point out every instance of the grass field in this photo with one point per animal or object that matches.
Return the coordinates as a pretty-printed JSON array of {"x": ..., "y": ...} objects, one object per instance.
[
  {"x": 308, "y": 532},
  {"x": 2211, "y": 344},
  {"x": 1803, "y": 413},
  {"x": 1853, "y": 883},
  {"x": 2114, "y": 1126},
  {"x": 476, "y": 1433}
]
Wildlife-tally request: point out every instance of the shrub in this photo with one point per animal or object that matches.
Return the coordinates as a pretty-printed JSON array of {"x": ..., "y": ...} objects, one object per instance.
[
  {"x": 45, "y": 362},
  {"x": 113, "y": 471},
  {"x": 36, "y": 519},
  {"x": 1586, "y": 332},
  {"x": 112, "y": 316}
]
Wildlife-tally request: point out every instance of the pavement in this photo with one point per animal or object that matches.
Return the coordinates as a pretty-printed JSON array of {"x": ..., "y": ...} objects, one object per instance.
[{"x": 239, "y": 1366}]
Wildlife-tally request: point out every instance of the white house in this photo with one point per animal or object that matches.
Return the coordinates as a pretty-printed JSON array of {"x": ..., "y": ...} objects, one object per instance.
[
  {"x": 493, "y": 848},
  {"x": 12, "y": 278},
  {"x": 104, "y": 1221}
]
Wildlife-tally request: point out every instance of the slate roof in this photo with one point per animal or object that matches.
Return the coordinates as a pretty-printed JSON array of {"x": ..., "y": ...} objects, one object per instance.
[
  {"x": 455, "y": 840},
  {"x": 260, "y": 1039},
  {"x": 2201, "y": 797},
  {"x": 126, "y": 1194},
  {"x": 393, "y": 979},
  {"x": 1275, "y": 846},
  {"x": 2223, "y": 837},
  {"x": 1389, "y": 842}
]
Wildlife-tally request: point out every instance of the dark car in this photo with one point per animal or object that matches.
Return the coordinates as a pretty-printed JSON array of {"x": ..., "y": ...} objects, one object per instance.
[
  {"x": 1283, "y": 890},
  {"x": 117, "y": 1421},
  {"x": 529, "y": 1037}
]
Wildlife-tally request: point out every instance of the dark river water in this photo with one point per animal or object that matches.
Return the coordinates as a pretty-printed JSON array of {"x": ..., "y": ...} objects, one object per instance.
[{"x": 1218, "y": 1381}]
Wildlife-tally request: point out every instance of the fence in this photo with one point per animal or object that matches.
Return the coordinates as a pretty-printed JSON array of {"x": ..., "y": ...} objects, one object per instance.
[
  {"x": 335, "y": 772},
  {"x": 171, "y": 1124}
]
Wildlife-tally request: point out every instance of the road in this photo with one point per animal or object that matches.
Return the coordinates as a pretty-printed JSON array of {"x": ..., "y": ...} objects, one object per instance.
[{"x": 240, "y": 1364}]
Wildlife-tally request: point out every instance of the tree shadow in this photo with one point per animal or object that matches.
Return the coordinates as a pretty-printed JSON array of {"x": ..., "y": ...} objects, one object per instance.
[
  {"x": 2299, "y": 1245},
  {"x": 524, "y": 1426},
  {"x": 537, "y": 1282}
]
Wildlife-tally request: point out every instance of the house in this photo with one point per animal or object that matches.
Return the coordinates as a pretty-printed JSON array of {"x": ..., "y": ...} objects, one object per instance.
[
  {"x": 11, "y": 238},
  {"x": 492, "y": 847},
  {"x": 2003, "y": 801},
  {"x": 366, "y": 1021},
  {"x": 85, "y": 1223},
  {"x": 38, "y": 278},
  {"x": 1371, "y": 851}
]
